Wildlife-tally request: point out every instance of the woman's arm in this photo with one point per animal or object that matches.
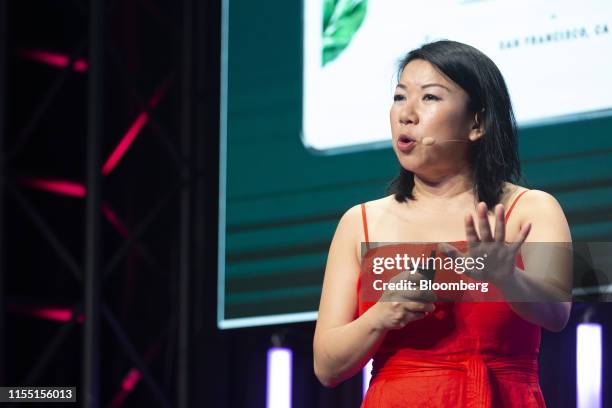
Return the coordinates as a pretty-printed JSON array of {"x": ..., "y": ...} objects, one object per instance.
[
  {"x": 547, "y": 256},
  {"x": 539, "y": 293},
  {"x": 342, "y": 344}
]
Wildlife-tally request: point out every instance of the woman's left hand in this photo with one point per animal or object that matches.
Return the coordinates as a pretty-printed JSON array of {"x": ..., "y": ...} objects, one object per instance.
[{"x": 499, "y": 257}]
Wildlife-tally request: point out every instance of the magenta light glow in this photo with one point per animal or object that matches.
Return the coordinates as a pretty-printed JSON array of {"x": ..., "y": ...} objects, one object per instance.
[
  {"x": 125, "y": 143},
  {"x": 278, "y": 393},
  {"x": 127, "y": 385},
  {"x": 56, "y": 314},
  {"x": 54, "y": 59},
  {"x": 63, "y": 187},
  {"x": 588, "y": 365},
  {"x": 133, "y": 377},
  {"x": 73, "y": 189},
  {"x": 133, "y": 131},
  {"x": 130, "y": 380},
  {"x": 112, "y": 217}
]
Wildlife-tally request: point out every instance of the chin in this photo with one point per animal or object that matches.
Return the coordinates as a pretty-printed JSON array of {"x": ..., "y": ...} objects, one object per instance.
[{"x": 408, "y": 163}]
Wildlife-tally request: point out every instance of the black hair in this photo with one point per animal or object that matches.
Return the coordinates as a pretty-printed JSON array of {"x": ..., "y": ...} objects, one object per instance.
[{"x": 494, "y": 156}]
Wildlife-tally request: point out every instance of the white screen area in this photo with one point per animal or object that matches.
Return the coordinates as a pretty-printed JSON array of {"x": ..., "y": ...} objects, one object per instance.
[{"x": 556, "y": 58}]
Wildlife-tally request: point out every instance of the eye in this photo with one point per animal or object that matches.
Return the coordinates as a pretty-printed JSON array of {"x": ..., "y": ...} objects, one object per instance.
[
  {"x": 398, "y": 97},
  {"x": 430, "y": 97}
]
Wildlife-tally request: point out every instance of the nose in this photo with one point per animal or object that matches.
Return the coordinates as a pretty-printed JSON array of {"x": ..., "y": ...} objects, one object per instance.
[{"x": 407, "y": 113}]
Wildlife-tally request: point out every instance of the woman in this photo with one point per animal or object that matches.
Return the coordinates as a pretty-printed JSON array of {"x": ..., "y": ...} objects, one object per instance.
[{"x": 454, "y": 135}]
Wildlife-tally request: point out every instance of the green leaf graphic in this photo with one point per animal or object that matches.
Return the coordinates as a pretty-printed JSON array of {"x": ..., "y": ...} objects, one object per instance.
[{"x": 341, "y": 20}]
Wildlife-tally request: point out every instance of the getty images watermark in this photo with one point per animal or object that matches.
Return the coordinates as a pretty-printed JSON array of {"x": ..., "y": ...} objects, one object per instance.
[
  {"x": 426, "y": 266},
  {"x": 554, "y": 271}
]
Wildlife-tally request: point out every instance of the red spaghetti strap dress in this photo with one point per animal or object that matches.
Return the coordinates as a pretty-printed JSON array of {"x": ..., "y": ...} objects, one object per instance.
[{"x": 464, "y": 354}]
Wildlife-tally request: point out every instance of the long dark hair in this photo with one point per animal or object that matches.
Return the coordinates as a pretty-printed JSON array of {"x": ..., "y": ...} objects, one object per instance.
[{"x": 494, "y": 156}]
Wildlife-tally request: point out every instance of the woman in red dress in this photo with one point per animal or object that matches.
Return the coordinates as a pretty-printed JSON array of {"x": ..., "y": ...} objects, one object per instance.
[{"x": 454, "y": 135}]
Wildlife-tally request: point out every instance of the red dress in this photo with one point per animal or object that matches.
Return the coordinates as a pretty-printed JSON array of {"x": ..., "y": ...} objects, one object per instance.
[{"x": 464, "y": 354}]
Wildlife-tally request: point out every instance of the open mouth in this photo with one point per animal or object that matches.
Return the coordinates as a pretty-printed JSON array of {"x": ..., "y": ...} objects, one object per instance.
[
  {"x": 406, "y": 139},
  {"x": 406, "y": 143}
]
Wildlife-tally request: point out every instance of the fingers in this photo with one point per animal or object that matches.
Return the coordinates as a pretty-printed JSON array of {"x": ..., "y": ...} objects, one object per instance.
[
  {"x": 454, "y": 253},
  {"x": 483, "y": 223},
  {"x": 425, "y": 307},
  {"x": 412, "y": 293},
  {"x": 449, "y": 250},
  {"x": 522, "y": 236},
  {"x": 408, "y": 317},
  {"x": 406, "y": 312},
  {"x": 414, "y": 311},
  {"x": 500, "y": 223},
  {"x": 470, "y": 231},
  {"x": 409, "y": 295},
  {"x": 426, "y": 296},
  {"x": 407, "y": 275}
]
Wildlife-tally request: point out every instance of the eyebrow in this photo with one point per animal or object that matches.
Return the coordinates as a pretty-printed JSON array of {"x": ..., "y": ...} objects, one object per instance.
[{"x": 425, "y": 86}]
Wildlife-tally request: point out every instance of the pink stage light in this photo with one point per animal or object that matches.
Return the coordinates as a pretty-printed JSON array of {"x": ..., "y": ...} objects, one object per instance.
[
  {"x": 73, "y": 189},
  {"x": 63, "y": 187},
  {"x": 112, "y": 217},
  {"x": 588, "y": 365},
  {"x": 133, "y": 131},
  {"x": 125, "y": 143},
  {"x": 127, "y": 385},
  {"x": 130, "y": 380},
  {"x": 56, "y": 314},
  {"x": 55, "y": 59},
  {"x": 278, "y": 393}
]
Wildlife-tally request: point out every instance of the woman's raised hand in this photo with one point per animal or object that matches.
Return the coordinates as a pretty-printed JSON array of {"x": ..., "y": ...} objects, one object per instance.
[{"x": 499, "y": 256}]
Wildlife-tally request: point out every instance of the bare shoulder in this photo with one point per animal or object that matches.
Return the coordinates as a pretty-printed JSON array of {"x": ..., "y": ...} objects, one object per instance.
[
  {"x": 530, "y": 200},
  {"x": 537, "y": 202},
  {"x": 351, "y": 224},
  {"x": 544, "y": 212},
  {"x": 379, "y": 207},
  {"x": 510, "y": 193},
  {"x": 352, "y": 219},
  {"x": 350, "y": 231}
]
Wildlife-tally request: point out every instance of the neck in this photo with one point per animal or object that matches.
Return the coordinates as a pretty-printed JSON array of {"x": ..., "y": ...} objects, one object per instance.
[{"x": 443, "y": 186}]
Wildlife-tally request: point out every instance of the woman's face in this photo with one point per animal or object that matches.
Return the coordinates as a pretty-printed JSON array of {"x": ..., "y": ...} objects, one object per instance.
[{"x": 427, "y": 104}]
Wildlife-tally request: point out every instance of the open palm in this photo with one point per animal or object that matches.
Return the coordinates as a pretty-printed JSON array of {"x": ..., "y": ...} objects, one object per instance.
[{"x": 499, "y": 256}]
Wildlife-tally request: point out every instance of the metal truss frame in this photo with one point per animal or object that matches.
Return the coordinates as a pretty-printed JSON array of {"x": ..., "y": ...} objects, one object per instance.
[{"x": 95, "y": 272}]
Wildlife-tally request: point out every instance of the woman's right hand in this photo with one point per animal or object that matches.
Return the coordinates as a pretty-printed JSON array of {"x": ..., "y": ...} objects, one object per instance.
[{"x": 396, "y": 308}]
